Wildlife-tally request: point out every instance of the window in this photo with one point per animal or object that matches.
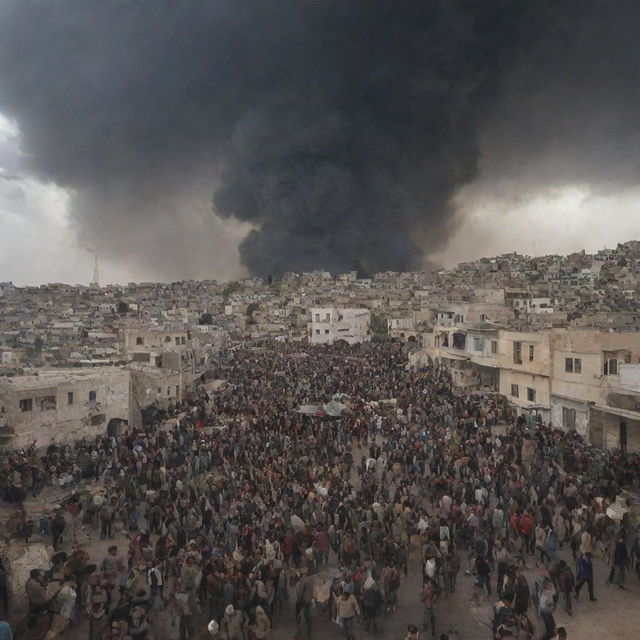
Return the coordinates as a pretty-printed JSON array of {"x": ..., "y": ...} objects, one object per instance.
[
  {"x": 317, "y": 332},
  {"x": 531, "y": 394},
  {"x": 327, "y": 317},
  {"x": 92, "y": 396},
  {"x": 573, "y": 365},
  {"x": 183, "y": 340},
  {"x": 611, "y": 367},
  {"x": 177, "y": 390},
  {"x": 139, "y": 340},
  {"x": 568, "y": 418},
  {"x": 47, "y": 403},
  {"x": 168, "y": 391},
  {"x": 317, "y": 317},
  {"x": 340, "y": 318},
  {"x": 494, "y": 346},
  {"x": 517, "y": 352},
  {"x": 478, "y": 344},
  {"x": 70, "y": 397},
  {"x": 167, "y": 338},
  {"x": 515, "y": 391},
  {"x": 159, "y": 391},
  {"x": 178, "y": 340},
  {"x": 26, "y": 404},
  {"x": 531, "y": 352},
  {"x": 326, "y": 331}
]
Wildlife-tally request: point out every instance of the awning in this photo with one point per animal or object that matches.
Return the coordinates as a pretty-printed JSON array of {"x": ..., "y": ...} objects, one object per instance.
[{"x": 623, "y": 413}]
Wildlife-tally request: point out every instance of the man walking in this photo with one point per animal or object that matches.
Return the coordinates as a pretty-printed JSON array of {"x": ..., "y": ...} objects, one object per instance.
[
  {"x": 585, "y": 574},
  {"x": 429, "y": 598}
]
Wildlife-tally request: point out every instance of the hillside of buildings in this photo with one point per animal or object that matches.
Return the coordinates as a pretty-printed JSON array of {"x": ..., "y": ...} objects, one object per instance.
[{"x": 553, "y": 336}]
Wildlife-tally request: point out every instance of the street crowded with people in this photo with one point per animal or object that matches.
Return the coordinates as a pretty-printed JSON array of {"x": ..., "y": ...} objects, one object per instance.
[{"x": 396, "y": 508}]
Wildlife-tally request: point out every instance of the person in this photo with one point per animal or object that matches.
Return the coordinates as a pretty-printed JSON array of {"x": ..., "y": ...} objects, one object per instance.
[
  {"x": 525, "y": 628},
  {"x": 57, "y": 529},
  {"x": 585, "y": 574},
  {"x": 546, "y": 606},
  {"x": 304, "y": 598},
  {"x": 619, "y": 561},
  {"x": 503, "y": 612},
  {"x": 107, "y": 515},
  {"x": 391, "y": 586},
  {"x": 372, "y": 602},
  {"x": 321, "y": 546},
  {"x": 483, "y": 576},
  {"x": 260, "y": 629},
  {"x": 63, "y": 604},
  {"x": 566, "y": 584},
  {"x": 541, "y": 534},
  {"x": 348, "y": 610},
  {"x": 5, "y": 630},
  {"x": 412, "y": 633},
  {"x": 184, "y": 607},
  {"x": 112, "y": 565},
  {"x": 37, "y": 597},
  {"x": 521, "y": 592},
  {"x": 561, "y": 634},
  {"x": 429, "y": 599},
  {"x": 155, "y": 582}
]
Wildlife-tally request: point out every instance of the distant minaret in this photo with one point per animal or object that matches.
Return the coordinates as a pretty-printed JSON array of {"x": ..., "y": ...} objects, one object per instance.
[{"x": 96, "y": 280}]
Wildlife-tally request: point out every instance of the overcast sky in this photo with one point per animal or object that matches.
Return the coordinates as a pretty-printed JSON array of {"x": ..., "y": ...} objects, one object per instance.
[
  {"x": 40, "y": 243},
  {"x": 218, "y": 138}
]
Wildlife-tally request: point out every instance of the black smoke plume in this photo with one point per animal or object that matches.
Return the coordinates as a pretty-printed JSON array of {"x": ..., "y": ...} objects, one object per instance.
[{"x": 339, "y": 129}]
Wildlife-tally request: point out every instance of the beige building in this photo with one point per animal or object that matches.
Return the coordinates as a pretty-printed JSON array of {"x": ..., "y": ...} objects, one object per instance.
[
  {"x": 593, "y": 385},
  {"x": 145, "y": 345},
  {"x": 61, "y": 405},
  {"x": 524, "y": 359}
]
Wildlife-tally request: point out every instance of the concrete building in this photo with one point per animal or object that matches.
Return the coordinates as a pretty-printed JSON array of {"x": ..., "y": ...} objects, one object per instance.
[
  {"x": 616, "y": 424},
  {"x": 329, "y": 324},
  {"x": 587, "y": 390},
  {"x": 525, "y": 371},
  {"x": 61, "y": 405}
]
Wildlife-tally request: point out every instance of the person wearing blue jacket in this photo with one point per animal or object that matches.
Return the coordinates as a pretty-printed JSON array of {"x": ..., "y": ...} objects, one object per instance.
[{"x": 585, "y": 574}]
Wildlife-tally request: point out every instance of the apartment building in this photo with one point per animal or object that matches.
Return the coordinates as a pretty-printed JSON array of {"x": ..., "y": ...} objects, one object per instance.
[
  {"x": 328, "y": 324},
  {"x": 524, "y": 359}
]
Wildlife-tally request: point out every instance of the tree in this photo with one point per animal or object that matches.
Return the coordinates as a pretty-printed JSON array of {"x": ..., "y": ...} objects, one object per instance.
[{"x": 206, "y": 318}]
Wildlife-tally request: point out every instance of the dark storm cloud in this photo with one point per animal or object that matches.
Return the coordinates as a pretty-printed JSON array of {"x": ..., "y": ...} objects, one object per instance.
[{"x": 339, "y": 129}]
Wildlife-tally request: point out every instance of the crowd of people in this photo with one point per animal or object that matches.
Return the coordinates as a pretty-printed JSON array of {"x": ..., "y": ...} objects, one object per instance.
[{"x": 240, "y": 512}]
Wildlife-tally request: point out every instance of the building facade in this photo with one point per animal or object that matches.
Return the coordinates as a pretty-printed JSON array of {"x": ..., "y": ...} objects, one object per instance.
[
  {"x": 326, "y": 325},
  {"x": 60, "y": 406}
]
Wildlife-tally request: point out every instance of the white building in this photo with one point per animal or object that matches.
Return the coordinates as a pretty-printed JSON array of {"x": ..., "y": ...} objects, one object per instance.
[{"x": 328, "y": 324}]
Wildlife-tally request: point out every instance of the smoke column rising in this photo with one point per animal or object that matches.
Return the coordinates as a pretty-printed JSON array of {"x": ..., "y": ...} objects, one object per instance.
[{"x": 339, "y": 130}]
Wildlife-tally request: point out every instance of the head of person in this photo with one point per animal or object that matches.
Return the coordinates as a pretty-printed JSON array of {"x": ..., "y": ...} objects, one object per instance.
[{"x": 36, "y": 574}]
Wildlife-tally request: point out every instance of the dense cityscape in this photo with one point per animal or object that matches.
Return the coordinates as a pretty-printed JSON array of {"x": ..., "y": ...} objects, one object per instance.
[{"x": 417, "y": 434}]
